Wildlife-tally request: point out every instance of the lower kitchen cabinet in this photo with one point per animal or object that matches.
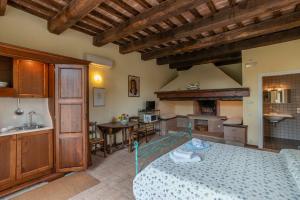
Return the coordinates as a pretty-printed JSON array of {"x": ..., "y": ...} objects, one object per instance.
[
  {"x": 34, "y": 154},
  {"x": 24, "y": 157},
  {"x": 8, "y": 154}
]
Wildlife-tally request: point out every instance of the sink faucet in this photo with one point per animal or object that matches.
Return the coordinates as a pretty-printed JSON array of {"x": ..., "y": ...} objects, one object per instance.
[{"x": 31, "y": 113}]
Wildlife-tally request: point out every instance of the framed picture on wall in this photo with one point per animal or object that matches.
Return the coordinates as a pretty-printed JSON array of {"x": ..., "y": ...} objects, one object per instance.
[
  {"x": 98, "y": 96},
  {"x": 133, "y": 86}
]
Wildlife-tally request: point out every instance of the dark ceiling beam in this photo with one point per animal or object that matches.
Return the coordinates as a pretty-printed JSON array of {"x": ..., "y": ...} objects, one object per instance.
[
  {"x": 151, "y": 16},
  {"x": 3, "y": 4},
  {"x": 223, "y": 18},
  {"x": 184, "y": 68},
  {"x": 228, "y": 62},
  {"x": 281, "y": 23},
  {"x": 229, "y": 58},
  {"x": 274, "y": 38},
  {"x": 72, "y": 13}
]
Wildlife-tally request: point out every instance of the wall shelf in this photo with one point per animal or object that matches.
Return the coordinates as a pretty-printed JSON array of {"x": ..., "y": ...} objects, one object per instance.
[
  {"x": 7, "y": 92},
  {"x": 214, "y": 94}
]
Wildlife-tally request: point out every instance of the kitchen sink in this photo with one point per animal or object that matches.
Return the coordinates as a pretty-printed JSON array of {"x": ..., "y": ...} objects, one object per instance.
[{"x": 24, "y": 128}]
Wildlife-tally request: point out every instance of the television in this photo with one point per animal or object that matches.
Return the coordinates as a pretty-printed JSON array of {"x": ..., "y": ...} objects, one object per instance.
[{"x": 150, "y": 105}]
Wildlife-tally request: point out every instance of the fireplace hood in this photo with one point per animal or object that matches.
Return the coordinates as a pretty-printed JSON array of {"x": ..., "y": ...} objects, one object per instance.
[{"x": 212, "y": 94}]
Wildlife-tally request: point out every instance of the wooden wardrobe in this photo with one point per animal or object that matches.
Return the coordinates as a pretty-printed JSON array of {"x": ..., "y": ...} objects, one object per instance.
[{"x": 71, "y": 117}]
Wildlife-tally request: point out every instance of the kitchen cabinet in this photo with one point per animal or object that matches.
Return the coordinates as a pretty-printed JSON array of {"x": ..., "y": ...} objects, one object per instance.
[
  {"x": 235, "y": 134},
  {"x": 8, "y": 161},
  {"x": 25, "y": 156},
  {"x": 30, "y": 78},
  {"x": 34, "y": 154},
  {"x": 6, "y": 75},
  {"x": 42, "y": 155}
]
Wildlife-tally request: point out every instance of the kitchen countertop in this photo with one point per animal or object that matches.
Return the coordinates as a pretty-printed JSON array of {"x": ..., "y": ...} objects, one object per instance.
[
  {"x": 14, "y": 132},
  {"x": 206, "y": 117}
]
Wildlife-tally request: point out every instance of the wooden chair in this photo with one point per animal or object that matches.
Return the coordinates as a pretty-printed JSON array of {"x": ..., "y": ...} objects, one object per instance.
[
  {"x": 96, "y": 142},
  {"x": 139, "y": 131}
]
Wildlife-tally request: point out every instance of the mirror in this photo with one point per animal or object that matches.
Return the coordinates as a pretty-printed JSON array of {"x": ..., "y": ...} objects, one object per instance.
[{"x": 277, "y": 96}]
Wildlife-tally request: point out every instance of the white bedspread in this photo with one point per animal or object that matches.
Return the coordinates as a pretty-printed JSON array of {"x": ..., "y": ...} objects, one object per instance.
[{"x": 226, "y": 173}]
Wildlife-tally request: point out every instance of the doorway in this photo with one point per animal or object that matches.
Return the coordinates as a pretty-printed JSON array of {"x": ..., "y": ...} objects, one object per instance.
[{"x": 279, "y": 108}]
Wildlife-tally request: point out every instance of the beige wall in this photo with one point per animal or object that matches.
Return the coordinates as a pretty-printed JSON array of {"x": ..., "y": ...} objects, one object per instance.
[
  {"x": 184, "y": 107},
  {"x": 9, "y": 118},
  {"x": 208, "y": 76},
  {"x": 234, "y": 71},
  {"x": 282, "y": 57},
  {"x": 231, "y": 109},
  {"x": 23, "y": 29}
]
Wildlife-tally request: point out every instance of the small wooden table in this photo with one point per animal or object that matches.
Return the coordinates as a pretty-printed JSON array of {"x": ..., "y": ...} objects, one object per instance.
[{"x": 111, "y": 129}]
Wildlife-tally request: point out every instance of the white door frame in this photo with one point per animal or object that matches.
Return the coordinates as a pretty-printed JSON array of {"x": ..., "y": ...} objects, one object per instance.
[{"x": 260, "y": 101}]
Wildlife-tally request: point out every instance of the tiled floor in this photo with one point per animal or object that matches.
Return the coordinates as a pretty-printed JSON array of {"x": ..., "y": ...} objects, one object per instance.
[
  {"x": 279, "y": 143},
  {"x": 115, "y": 173}
]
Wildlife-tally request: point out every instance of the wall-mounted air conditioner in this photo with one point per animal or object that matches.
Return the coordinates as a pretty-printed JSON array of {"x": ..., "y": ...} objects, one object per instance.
[{"x": 99, "y": 61}]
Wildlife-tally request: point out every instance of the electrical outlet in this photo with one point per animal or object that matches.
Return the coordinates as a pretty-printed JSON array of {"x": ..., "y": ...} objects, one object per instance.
[{"x": 298, "y": 110}]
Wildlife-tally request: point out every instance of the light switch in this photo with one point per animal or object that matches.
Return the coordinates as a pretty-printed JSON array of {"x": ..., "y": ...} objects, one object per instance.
[{"x": 298, "y": 110}]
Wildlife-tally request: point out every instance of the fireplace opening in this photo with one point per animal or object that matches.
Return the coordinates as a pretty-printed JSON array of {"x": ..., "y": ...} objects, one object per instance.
[{"x": 207, "y": 107}]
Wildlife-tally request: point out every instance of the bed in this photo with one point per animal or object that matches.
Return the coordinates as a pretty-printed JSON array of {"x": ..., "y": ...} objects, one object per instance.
[{"x": 225, "y": 173}]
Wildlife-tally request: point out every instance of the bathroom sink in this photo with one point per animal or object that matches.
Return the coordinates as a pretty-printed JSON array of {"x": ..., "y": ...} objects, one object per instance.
[{"x": 276, "y": 117}]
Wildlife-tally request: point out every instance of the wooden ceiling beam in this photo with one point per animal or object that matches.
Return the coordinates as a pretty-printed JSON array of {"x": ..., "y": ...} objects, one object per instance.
[
  {"x": 228, "y": 62},
  {"x": 71, "y": 14},
  {"x": 223, "y": 18},
  {"x": 282, "y": 23},
  {"x": 229, "y": 58},
  {"x": 152, "y": 16},
  {"x": 3, "y": 4},
  {"x": 274, "y": 38},
  {"x": 184, "y": 68}
]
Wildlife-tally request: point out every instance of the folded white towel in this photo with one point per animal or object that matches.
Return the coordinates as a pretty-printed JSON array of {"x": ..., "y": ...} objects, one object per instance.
[
  {"x": 176, "y": 159},
  {"x": 183, "y": 154},
  {"x": 197, "y": 143}
]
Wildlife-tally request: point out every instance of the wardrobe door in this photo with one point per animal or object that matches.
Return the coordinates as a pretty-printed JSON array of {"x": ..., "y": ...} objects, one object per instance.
[{"x": 71, "y": 117}]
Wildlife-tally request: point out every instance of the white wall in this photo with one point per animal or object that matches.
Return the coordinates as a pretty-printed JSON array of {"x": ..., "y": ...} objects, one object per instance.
[{"x": 22, "y": 29}]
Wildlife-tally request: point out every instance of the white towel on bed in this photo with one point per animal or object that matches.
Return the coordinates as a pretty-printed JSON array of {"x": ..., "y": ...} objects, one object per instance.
[
  {"x": 176, "y": 159},
  {"x": 183, "y": 154},
  {"x": 197, "y": 143}
]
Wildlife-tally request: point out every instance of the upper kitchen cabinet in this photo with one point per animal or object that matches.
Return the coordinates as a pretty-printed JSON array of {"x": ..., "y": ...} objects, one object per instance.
[
  {"x": 6, "y": 77},
  {"x": 30, "y": 78}
]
